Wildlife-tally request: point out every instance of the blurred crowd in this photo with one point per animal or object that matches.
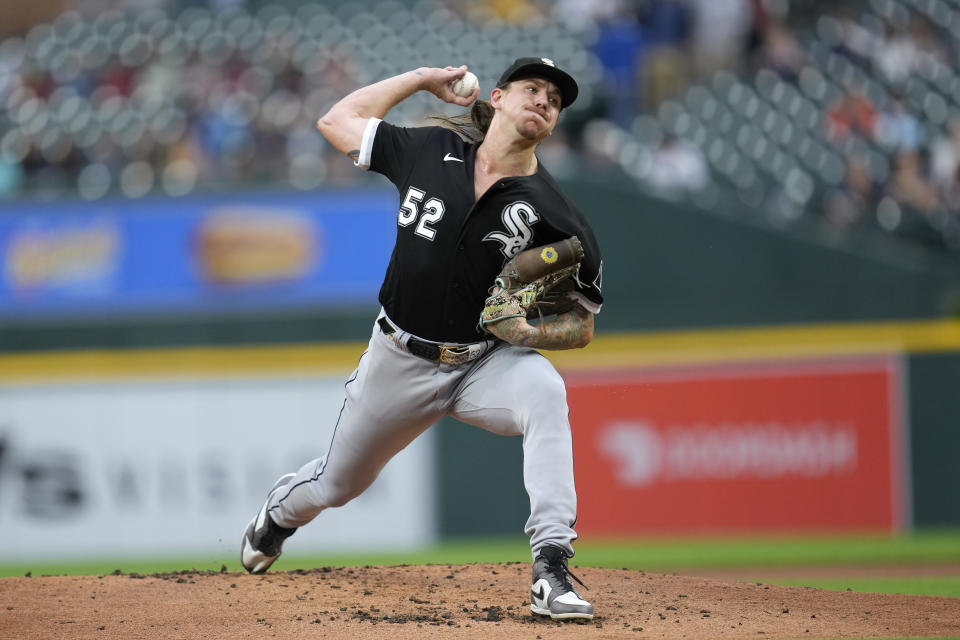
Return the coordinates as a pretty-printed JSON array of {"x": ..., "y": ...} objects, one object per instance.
[
  {"x": 894, "y": 115},
  {"x": 163, "y": 96},
  {"x": 914, "y": 120},
  {"x": 145, "y": 100}
]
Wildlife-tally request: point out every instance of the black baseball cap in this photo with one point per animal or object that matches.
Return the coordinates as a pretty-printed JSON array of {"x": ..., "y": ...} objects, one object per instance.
[{"x": 543, "y": 68}]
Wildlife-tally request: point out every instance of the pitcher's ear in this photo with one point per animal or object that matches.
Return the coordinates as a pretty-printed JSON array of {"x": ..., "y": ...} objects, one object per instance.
[{"x": 496, "y": 97}]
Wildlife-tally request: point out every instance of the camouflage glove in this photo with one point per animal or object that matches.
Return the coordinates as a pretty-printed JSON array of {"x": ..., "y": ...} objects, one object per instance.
[{"x": 535, "y": 283}]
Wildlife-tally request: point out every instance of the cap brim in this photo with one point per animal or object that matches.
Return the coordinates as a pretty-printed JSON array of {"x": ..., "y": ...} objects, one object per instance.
[{"x": 565, "y": 83}]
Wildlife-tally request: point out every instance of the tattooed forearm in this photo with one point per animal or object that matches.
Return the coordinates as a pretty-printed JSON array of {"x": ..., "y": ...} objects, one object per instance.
[{"x": 570, "y": 330}]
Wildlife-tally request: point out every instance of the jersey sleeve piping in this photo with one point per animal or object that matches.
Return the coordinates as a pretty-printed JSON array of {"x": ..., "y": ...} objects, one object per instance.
[{"x": 366, "y": 143}]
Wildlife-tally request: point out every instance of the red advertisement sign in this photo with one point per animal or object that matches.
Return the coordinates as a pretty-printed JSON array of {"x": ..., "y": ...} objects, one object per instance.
[{"x": 799, "y": 446}]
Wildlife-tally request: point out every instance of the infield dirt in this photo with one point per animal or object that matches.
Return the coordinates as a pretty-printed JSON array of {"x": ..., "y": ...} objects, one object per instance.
[{"x": 447, "y": 601}]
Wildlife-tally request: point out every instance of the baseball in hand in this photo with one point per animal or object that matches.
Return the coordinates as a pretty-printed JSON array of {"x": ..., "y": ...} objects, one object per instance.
[{"x": 465, "y": 85}]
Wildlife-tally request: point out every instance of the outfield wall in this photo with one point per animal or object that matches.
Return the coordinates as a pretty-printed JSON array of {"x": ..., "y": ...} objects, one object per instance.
[
  {"x": 846, "y": 427},
  {"x": 131, "y": 465},
  {"x": 796, "y": 430}
]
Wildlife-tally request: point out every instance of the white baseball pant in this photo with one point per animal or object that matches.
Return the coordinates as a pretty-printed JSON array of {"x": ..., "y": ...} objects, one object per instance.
[{"x": 393, "y": 396}]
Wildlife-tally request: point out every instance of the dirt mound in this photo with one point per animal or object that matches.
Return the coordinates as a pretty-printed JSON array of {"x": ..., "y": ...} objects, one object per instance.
[{"x": 447, "y": 601}]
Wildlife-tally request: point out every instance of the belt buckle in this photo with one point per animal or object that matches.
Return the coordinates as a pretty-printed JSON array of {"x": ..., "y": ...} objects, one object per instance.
[{"x": 459, "y": 354}]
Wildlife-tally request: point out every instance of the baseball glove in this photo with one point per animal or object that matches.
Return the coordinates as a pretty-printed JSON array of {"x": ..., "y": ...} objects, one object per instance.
[{"x": 535, "y": 283}]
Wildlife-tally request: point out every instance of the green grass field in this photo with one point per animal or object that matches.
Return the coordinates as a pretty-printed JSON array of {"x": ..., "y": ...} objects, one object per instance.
[
  {"x": 751, "y": 555},
  {"x": 924, "y": 586}
]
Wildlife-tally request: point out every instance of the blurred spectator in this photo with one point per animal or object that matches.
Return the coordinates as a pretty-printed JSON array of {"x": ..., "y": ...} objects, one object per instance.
[
  {"x": 855, "y": 41},
  {"x": 516, "y": 11},
  {"x": 851, "y": 114},
  {"x": 945, "y": 165},
  {"x": 895, "y": 56},
  {"x": 909, "y": 185},
  {"x": 665, "y": 72},
  {"x": 906, "y": 43},
  {"x": 579, "y": 14},
  {"x": 617, "y": 47},
  {"x": 721, "y": 29},
  {"x": 779, "y": 51},
  {"x": 927, "y": 41},
  {"x": 921, "y": 215},
  {"x": 897, "y": 127},
  {"x": 847, "y": 204},
  {"x": 677, "y": 166}
]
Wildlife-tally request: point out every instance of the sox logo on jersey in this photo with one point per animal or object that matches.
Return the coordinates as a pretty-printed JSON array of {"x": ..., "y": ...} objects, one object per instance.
[{"x": 517, "y": 218}]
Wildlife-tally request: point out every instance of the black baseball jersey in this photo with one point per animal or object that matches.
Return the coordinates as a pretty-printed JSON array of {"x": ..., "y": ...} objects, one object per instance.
[{"x": 450, "y": 246}]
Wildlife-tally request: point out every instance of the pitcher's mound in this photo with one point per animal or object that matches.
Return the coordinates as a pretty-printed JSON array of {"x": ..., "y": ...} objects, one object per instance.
[{"x": 448, "y": 601}]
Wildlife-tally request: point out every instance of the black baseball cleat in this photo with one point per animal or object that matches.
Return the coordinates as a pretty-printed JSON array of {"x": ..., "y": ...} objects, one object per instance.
[
  {"x": 552, "y": 593},
  {"x": 263, "y": 538}
]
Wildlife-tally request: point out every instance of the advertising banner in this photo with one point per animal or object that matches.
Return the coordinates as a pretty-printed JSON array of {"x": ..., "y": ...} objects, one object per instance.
[
  {"x": 206, "y": 253},
  {"x": 170, "y": 468},
  {"x": 812, "y": 445}
]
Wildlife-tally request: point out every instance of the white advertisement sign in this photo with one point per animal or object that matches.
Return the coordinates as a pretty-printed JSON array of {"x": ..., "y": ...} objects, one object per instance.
[{"x": 168, "y": 468}]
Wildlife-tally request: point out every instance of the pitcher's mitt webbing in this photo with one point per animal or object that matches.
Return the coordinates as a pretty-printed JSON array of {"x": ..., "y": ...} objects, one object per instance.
[{"x": 534, "y": 282}]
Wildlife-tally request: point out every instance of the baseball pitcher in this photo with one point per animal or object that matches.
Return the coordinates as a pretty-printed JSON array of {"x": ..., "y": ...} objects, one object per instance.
[{"x": 491, "y": 263}]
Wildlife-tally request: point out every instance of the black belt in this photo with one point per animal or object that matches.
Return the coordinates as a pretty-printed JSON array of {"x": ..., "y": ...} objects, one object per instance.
[{"x": 449, "y": 354}]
